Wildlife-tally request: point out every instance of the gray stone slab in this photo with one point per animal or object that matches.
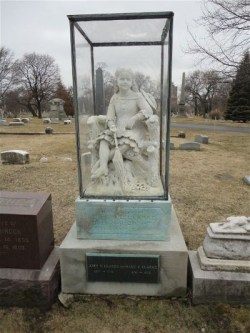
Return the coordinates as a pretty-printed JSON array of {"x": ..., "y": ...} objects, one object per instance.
[
  {"x": 172, "y": 273},
  {"x": 201, "y": 138},
  {"x": 189, "y": 146},
  {"x": 14, "y": 123},
  {"x": 217, "y": 286},
  {"x": 30, "y": 287},
  {"x": 14, "y": 157}
]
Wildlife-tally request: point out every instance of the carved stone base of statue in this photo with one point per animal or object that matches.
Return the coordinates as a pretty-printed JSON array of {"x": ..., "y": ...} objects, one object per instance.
[
  {"x": 130, "y": 267},
  {"x": 130, "y": 172},
  {"x": 134, "y": 182}
]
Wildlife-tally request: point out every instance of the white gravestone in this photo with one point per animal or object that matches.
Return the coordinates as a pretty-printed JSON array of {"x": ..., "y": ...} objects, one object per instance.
[
  {"x": 201, "y": 138},
  {"x": 189, "y": 146}
]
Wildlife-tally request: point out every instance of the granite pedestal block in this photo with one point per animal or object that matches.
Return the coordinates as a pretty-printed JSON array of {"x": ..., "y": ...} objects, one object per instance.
[
  {"x": 26, "y": 229},
  {"x": 217, "y": 286},
  {"x": 168, "y": 267},
  {"x": 30, "y": 287},
  {"x": 123, "y": 220}
]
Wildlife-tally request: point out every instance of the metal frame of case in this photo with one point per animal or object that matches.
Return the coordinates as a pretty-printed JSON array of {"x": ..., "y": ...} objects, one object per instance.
[{"x": 166, "y": 39}]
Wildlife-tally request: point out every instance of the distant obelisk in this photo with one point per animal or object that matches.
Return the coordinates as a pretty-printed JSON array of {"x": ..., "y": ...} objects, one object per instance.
[
  {"x": 181, "y": 109},
  {"x": 99, "y": 95}
]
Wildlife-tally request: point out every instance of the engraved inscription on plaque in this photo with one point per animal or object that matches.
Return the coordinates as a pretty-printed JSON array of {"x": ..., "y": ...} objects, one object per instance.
[{"x": 122, "y": 268}]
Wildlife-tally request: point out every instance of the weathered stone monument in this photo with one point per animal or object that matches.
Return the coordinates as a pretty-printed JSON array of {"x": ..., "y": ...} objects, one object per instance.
[
  {"x": 57, "y": 109},
  {"x": 29, "y": 262},
  {"x": 181, "y": 105},
  {"x": 14, "y": 156},
  {"x": 220, "y": 269},
  {"x": 201, "y": 138},
  {"x": 126, "y": 238}
]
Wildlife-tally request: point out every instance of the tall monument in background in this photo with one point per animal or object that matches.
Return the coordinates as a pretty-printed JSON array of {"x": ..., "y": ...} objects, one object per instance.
[{"x": 181, "y": 108}]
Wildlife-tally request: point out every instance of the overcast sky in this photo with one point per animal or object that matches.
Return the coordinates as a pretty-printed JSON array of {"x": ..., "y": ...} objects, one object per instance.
[{"x": 43, "y": 27}]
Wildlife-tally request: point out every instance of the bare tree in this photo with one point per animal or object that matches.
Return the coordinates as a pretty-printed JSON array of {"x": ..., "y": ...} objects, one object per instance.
[
  {"x": 6, "y": 73},
  {"x": 227, "y": 25},
  {"x": 38, "y": 75},
  {"x": 203, "y": 90}
]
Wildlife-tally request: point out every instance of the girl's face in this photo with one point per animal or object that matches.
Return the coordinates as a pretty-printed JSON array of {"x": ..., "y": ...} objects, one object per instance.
[{"x": 124, "y": 81}]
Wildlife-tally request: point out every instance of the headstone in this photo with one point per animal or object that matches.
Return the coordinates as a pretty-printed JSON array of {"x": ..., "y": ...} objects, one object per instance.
[
  {"x": 16, "y": 123},
  {"x": 57, "y": 108},
  {"x": 16, "y": 120},
  {"x": 46, "y": 121},
  {"x": 49, "y": 130},
  {"x": 189, "y": 146},
  {"x": 181, "y": 135},
  {"x": 29, "y": 263},
  {"x": 201, "y": 138},
  {"x": 3, "y": 122},
  {"x": 247, "y": 180},
  {"x": 26, "y": 229},
  {"x": 126, "y": 238},
  {"x": 25, "y": 120},
  {"x": 221, "y": 267},
  {"x": 15, "y": 157}
]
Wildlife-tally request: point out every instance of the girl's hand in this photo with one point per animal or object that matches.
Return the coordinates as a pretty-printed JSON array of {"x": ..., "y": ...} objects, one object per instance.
[{"x": 113, "y": 128}]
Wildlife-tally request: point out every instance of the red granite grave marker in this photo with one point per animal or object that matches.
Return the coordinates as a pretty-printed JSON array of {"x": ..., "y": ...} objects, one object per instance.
[{"x": 26, "y": 229}]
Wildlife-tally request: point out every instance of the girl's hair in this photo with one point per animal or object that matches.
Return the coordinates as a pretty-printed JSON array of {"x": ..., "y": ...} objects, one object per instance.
[{"x": 125, "y": 71}]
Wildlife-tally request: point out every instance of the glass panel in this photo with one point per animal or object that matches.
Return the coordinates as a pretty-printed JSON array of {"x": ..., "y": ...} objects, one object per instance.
[
  {"x": 84, "y": 103},
  {"x": 145, "y": 30}
]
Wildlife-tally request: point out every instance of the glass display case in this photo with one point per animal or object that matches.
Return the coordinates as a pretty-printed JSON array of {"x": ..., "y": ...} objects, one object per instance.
[{"x": 122, "y": 90}]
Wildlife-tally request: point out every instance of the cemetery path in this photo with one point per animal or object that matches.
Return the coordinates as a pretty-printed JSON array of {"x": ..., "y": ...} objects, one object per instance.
[{"x": 212, "y": 127}]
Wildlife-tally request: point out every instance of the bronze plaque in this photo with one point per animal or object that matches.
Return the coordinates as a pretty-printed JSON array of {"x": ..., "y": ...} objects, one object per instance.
[
  {"x": 137, "y": 268},
  {"x": 26, "y": 229}
]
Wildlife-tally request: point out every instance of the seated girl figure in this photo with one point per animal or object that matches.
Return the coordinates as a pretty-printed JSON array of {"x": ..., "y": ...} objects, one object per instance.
[{"x": 127, "y": 112}]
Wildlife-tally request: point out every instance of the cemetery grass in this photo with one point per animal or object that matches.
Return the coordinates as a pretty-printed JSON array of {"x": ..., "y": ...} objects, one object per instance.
[{"x": 205, "y": 186}]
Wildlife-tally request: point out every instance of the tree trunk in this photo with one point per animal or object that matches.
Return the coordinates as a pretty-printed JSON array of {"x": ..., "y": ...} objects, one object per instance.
[
  {"x": 39, "y": 109},
  {"x": 30, "y": 108}
]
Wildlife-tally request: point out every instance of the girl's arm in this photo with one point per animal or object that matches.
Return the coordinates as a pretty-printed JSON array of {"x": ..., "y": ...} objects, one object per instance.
[{"x": 111, "y": 115}]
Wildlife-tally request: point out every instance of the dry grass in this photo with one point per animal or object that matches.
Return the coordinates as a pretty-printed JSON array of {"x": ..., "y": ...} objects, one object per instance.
[
  {"x": 205, "y": 186},
  {"x": 212, "y": 122}
]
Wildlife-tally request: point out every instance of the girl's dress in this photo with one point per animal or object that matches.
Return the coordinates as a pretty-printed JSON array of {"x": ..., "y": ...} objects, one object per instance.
[{"x": 120, "y": 111}]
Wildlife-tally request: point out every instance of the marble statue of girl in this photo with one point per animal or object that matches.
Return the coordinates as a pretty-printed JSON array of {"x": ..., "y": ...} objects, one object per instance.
[{"x": 125, "y": 124}]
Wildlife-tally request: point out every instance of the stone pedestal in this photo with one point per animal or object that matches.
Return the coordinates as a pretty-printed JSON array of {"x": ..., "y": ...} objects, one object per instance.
[
  {"x": 154, "y": 268},
  {"x": 123, "y": 219},
  {"x": 220, "y": 270}
]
